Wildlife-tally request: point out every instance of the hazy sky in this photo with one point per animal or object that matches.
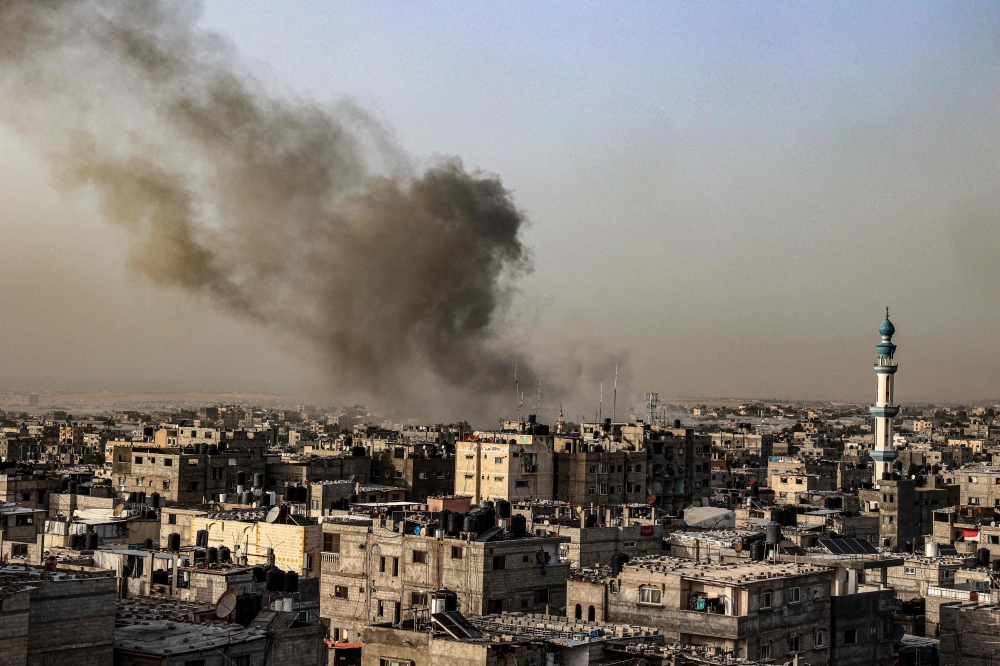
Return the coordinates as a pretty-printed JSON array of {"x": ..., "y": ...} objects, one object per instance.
[{"x": 728, "y": 193}]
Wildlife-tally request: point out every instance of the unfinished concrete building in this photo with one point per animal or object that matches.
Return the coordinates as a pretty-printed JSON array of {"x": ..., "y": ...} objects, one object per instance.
[
  {"x": 753, "y": 610},
  {"x": 381, "y": 573}
]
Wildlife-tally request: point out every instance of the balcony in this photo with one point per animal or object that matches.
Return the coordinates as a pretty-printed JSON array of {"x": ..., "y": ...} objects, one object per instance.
[{"x": 331, "y": 561}]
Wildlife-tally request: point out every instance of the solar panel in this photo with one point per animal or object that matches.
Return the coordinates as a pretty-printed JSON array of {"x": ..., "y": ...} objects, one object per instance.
[
  {"x": 947, "y": 550},
  {"x": 848, "y": 546},
  {"x": 456, "y": 625}
]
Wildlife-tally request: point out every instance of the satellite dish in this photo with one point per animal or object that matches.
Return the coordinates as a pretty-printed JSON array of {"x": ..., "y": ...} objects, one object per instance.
[
  {"x": 738, "y": 546},
  {"x": 651, "y": 499},
  {"x": 226, "y": 604},
  {"x": 118, "y": 510},
  {"x": 272, "y": 515},
  {"x": 897, "y": 633},
  {"x": 752, "y": 480}
]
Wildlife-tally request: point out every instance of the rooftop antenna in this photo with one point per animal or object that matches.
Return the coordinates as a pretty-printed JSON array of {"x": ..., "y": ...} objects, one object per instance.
[
  {"x": 614, "y": 404},
  {"x": 600, "y": 405},
  {"x": 538, "y": 396},
  {"x": 517, "y": 391}
]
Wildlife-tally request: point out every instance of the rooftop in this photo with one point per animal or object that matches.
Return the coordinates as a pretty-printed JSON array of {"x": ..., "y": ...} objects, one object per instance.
[
  {"x": 164, "y": 637},
  {"x": 725, "y": 574}
]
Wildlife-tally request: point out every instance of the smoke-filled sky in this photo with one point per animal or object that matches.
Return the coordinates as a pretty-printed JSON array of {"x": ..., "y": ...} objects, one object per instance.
[{"x": 721, "y": 197}]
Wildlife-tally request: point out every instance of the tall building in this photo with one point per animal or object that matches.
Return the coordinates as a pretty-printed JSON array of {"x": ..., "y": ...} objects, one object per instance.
[{"x": 883, "y": 452}]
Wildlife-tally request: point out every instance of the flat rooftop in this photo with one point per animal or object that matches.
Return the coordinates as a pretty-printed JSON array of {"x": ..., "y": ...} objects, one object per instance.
[
  {"x": 725, "y": 574},
  {"x": 163, "y": 638}
]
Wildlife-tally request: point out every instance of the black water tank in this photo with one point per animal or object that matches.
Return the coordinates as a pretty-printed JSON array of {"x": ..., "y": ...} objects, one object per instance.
[
  {"x": 618, "y": 560},
  {"x": 212, "y": 556},
  {"x": 454, "y": 526},
  {"x": 225, "y": 555},
  {"x": 359, "y": 451},
  {"x": 147, "y": 544},
  {"x": 303, "y": 494},
  {"x": 996, "y": 565},
  {"x": 141, "y": 498},
  {"x": 518, "y": 525},
  {"x": 503, "y": 509},
  {"x": 919, "y": 605},
  {"x": 91, "y": 541},
  {"x": 289, "y": 493},
  {"x": 828, "y": 503},
  {"x": 275, "y": 581},
  {"x": 758, "y": 550},
  {"x": 246, "y": 497},
  {"x": 469, "y": 522},
  {"x": 258, "y": 480},
  {"x": 677, "y": 423},
  {"x": 291, "y": 582},
  {"x": 983, "y": 557},
  {"x": 265, "y": 500},
  {"x": 241, "y": 478},
  {"x": 791, "y": 517},
  {"x": 776, "y": 515},
  {"x": 755, "y": 490},
  {"x": 133, "y": 497},
  {"x": 486, "y": 504},
  {"x": 201, "y": 539},
  {"x": 773, "y": 533},
  {"x": 174, "y": 541},
  {"x": 154, "y": 500},
  {"x": 71, "y": 487}
]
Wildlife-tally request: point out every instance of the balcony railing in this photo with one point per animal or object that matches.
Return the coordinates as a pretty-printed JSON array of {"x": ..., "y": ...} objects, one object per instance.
[{"x": 331, "y": 561}]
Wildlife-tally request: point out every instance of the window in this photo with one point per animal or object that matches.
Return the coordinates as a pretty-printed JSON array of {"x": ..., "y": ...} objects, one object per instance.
[
  {"x": 521, "y": 483},
  {"x": 604, "y": 468},
  {"x": 171, "y": 518},
  {"x": 850, "y": 637},
  {"x": 457, "y": 552},
  {"x": 168, "y": 462},
  {"x": 973, "y": 500},
  {"x": 395, "y": 566},
  {"x": 19, "y": 550},
  {"x": 765, "y": 651},
  {"x": 121, "y": 458},
  {"x": 765, "y": 600},
  {"x": 499, "y": 562},
  {"x": 994, "y": 538},
  {"x": 393, "y": 662},
  {"x": 602, "y": 489},
  {"x": 422, "y": 475},
  {"x": 242, "y": 660},
  {"x": 381, "y": 608},
  {"x": 376, "y": 474},
  {"x": 24, "y": 520},
  {"x": 340, "y": 591},
  {"x": 498, "y": 460},
  {"x": 193, "y": 462},
  {"x": 418, "y": 598},
  {"x": 498, "y": 478},
  {"x": 166, "y": 484},
  {"x": 650, "y": 595},
  {"x": 331, "y": 542},
  {"x": 638, "y": 468},
  {"x": 793, "y": 595},
  {"x": 628, "y": 544},
  {"x": 440, "y": 474},
  {"x": 591, "y": 491},
  {"x": 381, "y": 565},
  {"x": 542, "y": 596},
  {"x": 399, "y": 474},
  {"x": 420, "y": 557},
  {"x": 949, "y": 573},
  {"x": 793, "y": 643},
  {"x": 217, "y": 473},
  {"x": 138, "y": 460},
  {"x": 593, "y": 469},
  {"x": 820, "y": 639},
  {"x": 910, "y": 571},
  {"x": 494, "y": 606}
]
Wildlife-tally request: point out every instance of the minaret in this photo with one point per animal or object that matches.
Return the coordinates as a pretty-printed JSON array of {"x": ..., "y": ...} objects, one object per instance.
[{"x": 883, "y": 452}]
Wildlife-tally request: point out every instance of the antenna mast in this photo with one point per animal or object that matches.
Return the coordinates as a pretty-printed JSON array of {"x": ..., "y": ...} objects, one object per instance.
[
  {"x": 600, "y": 405},
  {"x": 517, "y": 391},
  {"x": 538, "y": 396},
  {"x": 614, "y": 404}
]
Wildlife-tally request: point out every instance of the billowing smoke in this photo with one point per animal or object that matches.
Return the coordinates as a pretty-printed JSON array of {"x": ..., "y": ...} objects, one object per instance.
[{"x": 282, "y": 211}]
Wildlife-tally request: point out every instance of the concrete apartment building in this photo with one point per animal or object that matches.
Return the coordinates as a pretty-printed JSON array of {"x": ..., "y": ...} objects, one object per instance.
[
  {"x": 30, "y": 490},
  {"x": 281, "y": 471},
  {"x": 968, "y": 634},
  {"x": 372, "y": 573},
  {"x": 786, "y": 486},
  {"x": 744, "y": 444},
  {"x": 918, "y": 574},
  {"x": 678, "y": 462},
  {"x": 56, "y": 617},
  {"x": 421, "y": 469},
  {"x": 906, "y": 510},
  {"x": 514, "y": 463},
  {"x": 980, "y": 486},
  {"x": 586, "y": 472},
  {"x": 753, "y": 610}
]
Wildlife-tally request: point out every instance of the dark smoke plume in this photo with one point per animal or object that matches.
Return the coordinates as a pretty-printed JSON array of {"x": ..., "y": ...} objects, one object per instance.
[{"x": 303, "y": 218}]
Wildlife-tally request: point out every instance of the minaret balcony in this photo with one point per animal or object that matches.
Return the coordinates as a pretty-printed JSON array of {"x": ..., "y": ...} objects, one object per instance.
[
  {"x": 883, "y": 411},
  {"x": 886, "y": 369}
]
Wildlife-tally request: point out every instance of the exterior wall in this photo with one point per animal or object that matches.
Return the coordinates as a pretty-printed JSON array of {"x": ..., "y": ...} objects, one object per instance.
[
  {"x": 594, "y": 546},
  {"x": 746, "y": 628},
  {"x": 66, "y": 503},
  {"x": 179, "y": 521},
  {"x": 296, "y": 547},
  {"x": 980, "y": 486},
  {"x": 869, "y": 615},
  {"x": 72, "y": 622},
  {"x": 28, "y": 490},
  {"x": 508, "y": 465},
  {"x": 968, "y": 634},
  {"x": 14, "y": 614},
  {"x": 906, "y": 512},
  {"x": 589, "y": 599},
  {"x": 926, "y": 572},
  {"x": 785, "y": 486},
  {"x": 421, "y": 476},
  {"x": 601, "y": 478},
  {"x": 281, "y": 473},
  {"x": 423, "y": 649},
  {"x": 386, "y": 560}
]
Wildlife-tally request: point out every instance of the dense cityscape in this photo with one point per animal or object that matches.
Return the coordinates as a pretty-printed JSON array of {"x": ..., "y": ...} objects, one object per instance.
[{"x": 693, "y": 533}]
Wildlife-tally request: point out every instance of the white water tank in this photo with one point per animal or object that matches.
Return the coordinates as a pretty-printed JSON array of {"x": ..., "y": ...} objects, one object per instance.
[{"x": 931, "y": 549}]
